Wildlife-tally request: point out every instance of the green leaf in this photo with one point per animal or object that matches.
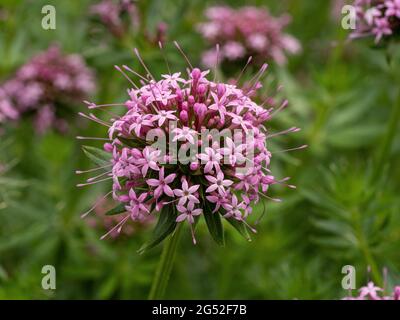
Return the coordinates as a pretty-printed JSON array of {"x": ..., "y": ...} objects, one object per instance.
[
  {"x": 214, "y": 225},
  {"x": 241, "y": 227},
  {"x": 117, "y": 210},
  {"x": 166, "y": 224},
  {"x": 98, "y": 156}
]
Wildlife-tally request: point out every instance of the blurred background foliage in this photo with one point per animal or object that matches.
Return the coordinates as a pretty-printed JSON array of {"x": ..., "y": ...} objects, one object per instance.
[{"x": 345, "y": 210}]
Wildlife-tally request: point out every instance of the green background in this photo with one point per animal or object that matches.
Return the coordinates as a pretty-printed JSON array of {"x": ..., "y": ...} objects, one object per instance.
[{"x": 345, "y": 210}]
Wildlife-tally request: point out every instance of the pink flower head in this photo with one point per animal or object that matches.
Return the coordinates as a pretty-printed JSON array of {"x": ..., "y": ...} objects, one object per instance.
[
  {"x": 44, "y": 86},
  {"x": 215, "y": 153},
  {"x": 246, "y": 31}
]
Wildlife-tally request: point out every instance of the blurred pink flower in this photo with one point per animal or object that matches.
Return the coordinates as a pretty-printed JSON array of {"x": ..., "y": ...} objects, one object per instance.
[
  {"x": 48, "y": 82},
  {"x": 111, "y": 14},
  {"x": 244, "y": 32},
  {"x": 122, "y": 17}
]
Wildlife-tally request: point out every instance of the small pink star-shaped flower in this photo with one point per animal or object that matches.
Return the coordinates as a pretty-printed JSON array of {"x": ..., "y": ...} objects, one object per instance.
[
  {"x": 233, "y": 208},
  {"x": 149, "y": 160},
  {"x": 162, "y": 184},
  {"x": 174, "y": 79},
  {"x": 187, "y": 193},
  {"x": 163, "y": 115},
  {"x": 136, "y": 204},
  {"x": 211, "y": 158},
  {"x": 392, "y": 8},
  {"x": 218, "y": 183},
  {"x": 381, "y": 29},
  {"x": 185, "y": 133},
  {"x": 188, "y": 213},
  {"x": 370, "y": 291}
]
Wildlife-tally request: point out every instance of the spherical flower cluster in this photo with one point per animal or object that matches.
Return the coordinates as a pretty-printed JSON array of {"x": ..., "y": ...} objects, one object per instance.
[
  {"x": 244, "y": 32},
  {"x": 191, "y": 146},
  {"x": 378, "y": 18},
  {"x": 372, "y": 292},
  {"x": 42, "y": 86}
]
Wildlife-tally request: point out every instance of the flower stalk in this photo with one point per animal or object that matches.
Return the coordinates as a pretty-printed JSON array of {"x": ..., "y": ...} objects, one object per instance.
[{"x": 164, "y": 268}]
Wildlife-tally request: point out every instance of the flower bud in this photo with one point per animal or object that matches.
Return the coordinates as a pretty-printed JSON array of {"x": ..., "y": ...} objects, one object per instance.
[
  {"x": 221, "y": 89},
  {"x": 108, "y": 147},
  {"x": 194, "y": 166},
  {"x": 184, "y": 116},
  {"x": 196, "y": 74},
  {"x": 201, "y": 89}
]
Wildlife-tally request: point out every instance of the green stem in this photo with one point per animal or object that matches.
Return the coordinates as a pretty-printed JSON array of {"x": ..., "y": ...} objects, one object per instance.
[
  {"x": 164, "y": 268},
  {"x": 388, "y": 139}
]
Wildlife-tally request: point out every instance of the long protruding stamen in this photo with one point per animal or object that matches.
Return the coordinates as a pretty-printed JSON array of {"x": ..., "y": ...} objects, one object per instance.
[
  {"x": 283, "y": 106},
  {"x": 249, "y": 226},
  {"x": 135, "y": 73},
  {"x": 92, "y": 138},
  {"x": 172, "y": 201},
  {"x": 98, "y": 119},
  {"x": 84, "y": 215},
  {"x": 290, "y": 130},
  {"x": 164, "y": 56},
  {"x": 146, "y": 83},
  {"x": 216, "y": 62},
  {"x": 90, "y": 183},
  {"x": 292, "y": 149},
  {"x": 126, "y": 76},
  {"x": 117, "y": 227},
  {"x": 385, "y": 278},
  {"x": 183, "y": 54},
  {"x": 94, "y": 119},
  {"x": 98, "y": 176},
  {"x": 257, "y": 77},
  {"x": 142, "y": 63},
  {"x": 192, "y": 232},
  {"x": 93, "y": 170},
  {"x": 282, "y": 181},
  {"x": 244, "y": 69},
  {"x": 92, "y": 105},
  {"x": 269, "y": 198}
]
